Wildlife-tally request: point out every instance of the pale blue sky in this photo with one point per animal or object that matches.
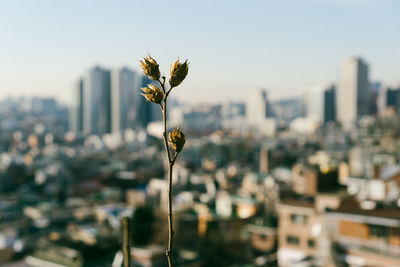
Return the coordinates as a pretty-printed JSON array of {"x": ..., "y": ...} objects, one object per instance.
[{"x": 233, "y": 46}]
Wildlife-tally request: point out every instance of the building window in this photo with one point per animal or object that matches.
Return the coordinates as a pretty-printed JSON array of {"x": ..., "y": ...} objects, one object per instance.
[
  {"x": 311, "y": 243},
  {"x": 298, "y": 218},
  {"x": 378, "y": 231},
  {"x": 292, "y": 240}
]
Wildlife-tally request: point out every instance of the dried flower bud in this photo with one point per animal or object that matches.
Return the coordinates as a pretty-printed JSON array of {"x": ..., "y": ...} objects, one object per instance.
[
  {"x": 176, "y": 140},
  {"x": 152, "y": 94},
  {"x": 150, "y": 68},
  {"x": 178, "y": 73}
]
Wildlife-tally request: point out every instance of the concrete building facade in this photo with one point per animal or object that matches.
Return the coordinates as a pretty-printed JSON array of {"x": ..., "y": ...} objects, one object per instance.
[{"x": 353, "y": 92}]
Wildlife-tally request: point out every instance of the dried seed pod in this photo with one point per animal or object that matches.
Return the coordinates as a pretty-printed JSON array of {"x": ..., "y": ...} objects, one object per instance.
[
  {"x": 152, "y": 94},
  {"x": 176, "y": 139},
  {"x": 150, "y": 68},
  {"x": 178, "y": 73}
]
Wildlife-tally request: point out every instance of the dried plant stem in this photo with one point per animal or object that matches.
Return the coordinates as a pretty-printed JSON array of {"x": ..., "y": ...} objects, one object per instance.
[
  {"x": 170, "y": 223},
  {"x": 176, "y": 137},
  {"x": 126, "y": 241},
  {"x": 171, "y": 162}
]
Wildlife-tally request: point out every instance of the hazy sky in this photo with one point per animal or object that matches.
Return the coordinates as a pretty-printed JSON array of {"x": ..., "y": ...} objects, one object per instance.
[{"x": 233, "y": 46}]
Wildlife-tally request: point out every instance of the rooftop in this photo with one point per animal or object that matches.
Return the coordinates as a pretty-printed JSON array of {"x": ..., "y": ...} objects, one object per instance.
[
  {"x": 299, "y": 202},
  {"x": 378, "y": 215}
]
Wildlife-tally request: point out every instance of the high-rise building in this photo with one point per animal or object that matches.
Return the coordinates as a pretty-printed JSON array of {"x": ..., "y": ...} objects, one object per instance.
[
  {"x": 105, "y": 102},
  {"x": 374, "y": 88},
  {"x": 320, "y": 102},
  {"x": 97, "y": 101},
  {"x": 388, "y": 99},
  {"x": 353, "y": 92},
  {"x": 257, "y": 113},
  {"x": 382, "y": 100},
  {"x": 124, "y": 91},
  {"x": 393, "y": 97},
  {"x": 330, "y": 104},
  {"x": 314, "y": 101},
  {"x": 76, "y": 114},
  {"x": 256, "y": 106}
]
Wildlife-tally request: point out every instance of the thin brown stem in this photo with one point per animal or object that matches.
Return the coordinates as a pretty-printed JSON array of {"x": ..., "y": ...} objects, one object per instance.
[
  {"x": 170, "y": 222},
  {"x": 164, "y": 113},
  {"x": 162, "y": 85},
  {"x": 126, "y": 251},
  {"x": 171, "y": 162},
  {"x": 167, "y": 93}
]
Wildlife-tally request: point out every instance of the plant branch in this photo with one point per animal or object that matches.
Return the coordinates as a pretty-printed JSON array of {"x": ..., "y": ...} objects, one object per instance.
[
  {"x": 162, "y": 85},
  {"x": 167, "y": 93},
  {"x": 164, "y": 113},
  {"x": 177, "y": 139},
  {"x": 126, "y": 251},
  {"x": 171, "y": 162},
  {"x": 170, "y": 221}
]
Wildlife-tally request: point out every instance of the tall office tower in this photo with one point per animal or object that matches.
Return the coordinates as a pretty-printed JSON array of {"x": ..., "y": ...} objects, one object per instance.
[
  {"x": 256, "y": 107},
  {"x": 330, "y": 104},
  {"x": 257, "y": 114},
  {"x": 314, "y": 101},
  {"x": 353, "y": 94},
  {"x": 382, "y": 100},
  {"x": 393, "y": 97},
  {"x": 374, "y": 88},
  {"x": 97, "y": 101},
  {"x": 388, "y": 100},
  {"x": 319, "y": 102},
  {"x": 76, "y": 113},
  {"x": 124, "y": 91}
]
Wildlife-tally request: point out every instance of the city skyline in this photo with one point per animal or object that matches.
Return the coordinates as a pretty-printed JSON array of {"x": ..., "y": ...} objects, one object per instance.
[
  {"x": 278, "y": 45},
  {"x": 280, "y": 145}
]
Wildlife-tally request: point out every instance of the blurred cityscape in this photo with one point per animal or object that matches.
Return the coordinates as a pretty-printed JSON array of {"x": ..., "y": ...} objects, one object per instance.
[{"x": 307, "y": 181}]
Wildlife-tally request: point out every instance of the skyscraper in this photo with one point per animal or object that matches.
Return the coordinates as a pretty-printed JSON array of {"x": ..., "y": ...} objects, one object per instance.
[
  {"x": 97, "y": 101},
  {"x": 256, "y": 107},
  {"x": 314, "y": 101},
  {"x": 393, "y": 98},
  {"x": 353, "y": 94},
  {"x": 124, "y": 91},
  {"x": 257, "y": 111},
  {"x": 76, "y": 115},
  {"x": 330, "y": 104},
  {"x": 320, "y": 103},
  {"x": 105, "y": 102},
  {"x": 388, "y": 99},
  {"x": 374, "y": 88}
]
